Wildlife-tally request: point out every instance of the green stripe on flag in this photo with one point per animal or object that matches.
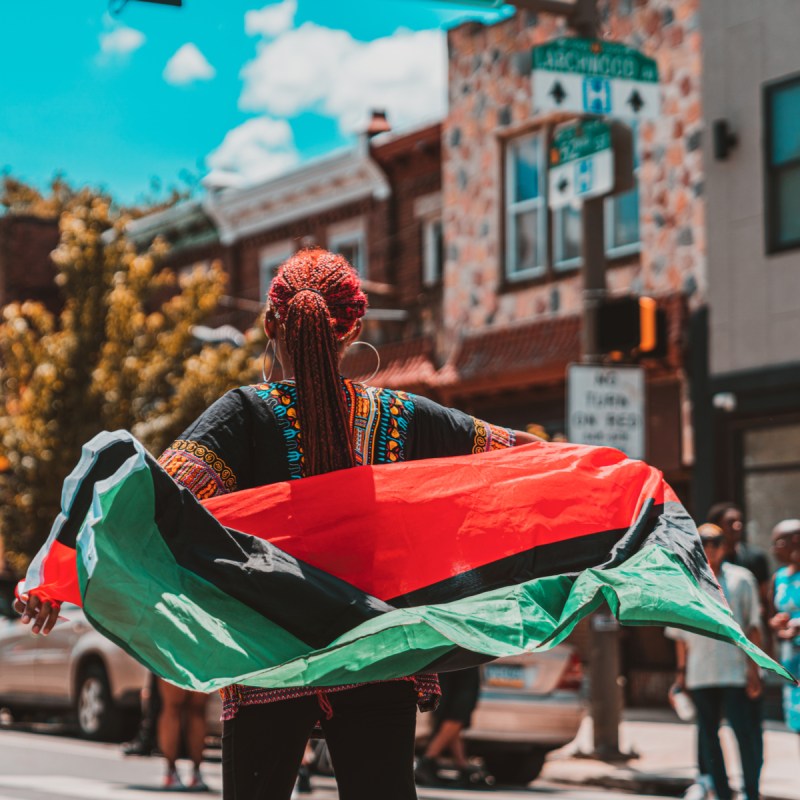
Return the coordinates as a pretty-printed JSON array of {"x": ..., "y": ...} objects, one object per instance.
[{"x": 198, "y": 637}]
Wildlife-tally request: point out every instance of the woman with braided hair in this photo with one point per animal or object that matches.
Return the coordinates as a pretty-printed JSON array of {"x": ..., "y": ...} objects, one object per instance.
[{"x": 311, "y": 423}]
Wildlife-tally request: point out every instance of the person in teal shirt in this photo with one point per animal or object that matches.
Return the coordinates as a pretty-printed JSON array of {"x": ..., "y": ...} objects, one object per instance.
[{"x": 786, "y": 603}]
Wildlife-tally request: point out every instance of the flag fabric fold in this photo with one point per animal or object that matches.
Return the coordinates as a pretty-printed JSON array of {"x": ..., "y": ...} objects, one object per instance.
[{"x": 375, "y": 572}]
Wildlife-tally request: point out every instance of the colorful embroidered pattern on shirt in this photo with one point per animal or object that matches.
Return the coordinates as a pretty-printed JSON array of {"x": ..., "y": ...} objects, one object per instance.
[
  {"x": 282, "y": 400},
  {"x": 198, "y": 468},
  {"x": 379, "y": 420},
  {"x": 491, "y": 437}
]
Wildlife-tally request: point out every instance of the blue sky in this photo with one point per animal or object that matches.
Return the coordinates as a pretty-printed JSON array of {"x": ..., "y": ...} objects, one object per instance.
[{"x": 92, "y": 95}]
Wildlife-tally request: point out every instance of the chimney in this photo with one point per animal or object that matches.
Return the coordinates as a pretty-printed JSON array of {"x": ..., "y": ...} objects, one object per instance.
[{"x": 378, "y": 123}]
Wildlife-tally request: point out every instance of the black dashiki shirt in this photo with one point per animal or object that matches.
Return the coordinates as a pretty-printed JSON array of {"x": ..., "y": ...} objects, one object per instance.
[{"x": 251, "y": 437}]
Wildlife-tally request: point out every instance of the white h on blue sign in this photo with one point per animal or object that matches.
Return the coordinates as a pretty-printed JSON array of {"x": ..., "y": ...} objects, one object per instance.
[
  {"x": 597, "y": 95},
  {"x": 584, "y": 176}
]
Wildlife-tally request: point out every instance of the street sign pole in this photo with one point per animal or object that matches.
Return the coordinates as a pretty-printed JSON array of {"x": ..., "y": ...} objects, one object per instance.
[{"x": 604, "y": 660}]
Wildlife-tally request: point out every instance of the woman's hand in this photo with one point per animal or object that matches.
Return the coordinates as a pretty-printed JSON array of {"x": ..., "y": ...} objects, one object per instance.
[
  {"x": 44, "y": 614},
  {"x": 779, "y": 621}
]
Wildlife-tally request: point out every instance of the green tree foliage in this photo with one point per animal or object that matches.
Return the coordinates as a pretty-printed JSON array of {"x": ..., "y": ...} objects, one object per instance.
[{"x": 120, "y": 354}]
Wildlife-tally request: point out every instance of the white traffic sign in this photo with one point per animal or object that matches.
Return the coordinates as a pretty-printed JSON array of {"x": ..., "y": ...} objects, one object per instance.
[
  {"x": 587, "y": 76},
  {"x": 606, "y": 407},
  {"x": 581, "y": 163}
]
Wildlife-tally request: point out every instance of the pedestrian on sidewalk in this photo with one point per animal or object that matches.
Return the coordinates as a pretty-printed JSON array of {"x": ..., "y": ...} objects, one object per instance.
[
  {"x": 182, "y": 718},
  {"x": 786, "y": 603},
  {"x": 145, "y": 742},
  {"x": 721, "y": 680},
  {"x": 460, "y": 691}
]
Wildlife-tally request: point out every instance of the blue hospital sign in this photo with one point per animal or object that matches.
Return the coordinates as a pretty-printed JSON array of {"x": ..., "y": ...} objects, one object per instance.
[
  {"x": 584, "y": 176},
  {"x": 597, "y": 95}
]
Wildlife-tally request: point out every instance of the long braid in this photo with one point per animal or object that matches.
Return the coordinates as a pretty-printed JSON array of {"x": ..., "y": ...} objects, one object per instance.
[{"x": 317, "y": 296}]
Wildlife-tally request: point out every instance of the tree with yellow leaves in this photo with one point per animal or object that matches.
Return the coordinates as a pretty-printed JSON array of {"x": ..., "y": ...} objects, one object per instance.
[{"x": 120, "y": 354}]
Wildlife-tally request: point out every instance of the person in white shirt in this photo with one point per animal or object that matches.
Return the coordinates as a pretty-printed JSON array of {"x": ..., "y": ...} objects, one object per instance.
[{"x": 721, "y": 680}]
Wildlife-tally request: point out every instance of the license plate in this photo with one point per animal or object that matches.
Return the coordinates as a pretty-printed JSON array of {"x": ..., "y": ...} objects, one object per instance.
[{"x": 508, "y": 676}]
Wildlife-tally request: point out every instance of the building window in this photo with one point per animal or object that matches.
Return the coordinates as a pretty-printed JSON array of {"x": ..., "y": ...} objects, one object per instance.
[
  {"x": 567, "y": 238},
  {"x": 622, "y": 223},
  {"x": 351, "y": 244},
  {"x": 623, "y": 236},
  {"x": 771, "y": 477},
  {"x": 433, "y": 251},
  {"x": 526, "y": 208},
  {"x": 527, "y": 214},
  {"x": 782, "y": 105},
  {"x": 269, "y": 259}
]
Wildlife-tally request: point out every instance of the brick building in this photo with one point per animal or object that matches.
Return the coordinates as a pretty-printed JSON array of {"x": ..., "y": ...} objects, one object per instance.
[
  {"x": 379, "y": 204},
  {"x": 26, "y": 269}
]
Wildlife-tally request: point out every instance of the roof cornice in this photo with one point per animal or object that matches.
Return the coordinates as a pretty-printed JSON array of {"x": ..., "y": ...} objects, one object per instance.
[{"x": 312, "y": 189}]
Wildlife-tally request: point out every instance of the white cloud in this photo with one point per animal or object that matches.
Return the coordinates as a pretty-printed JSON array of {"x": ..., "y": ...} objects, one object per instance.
[
  {"x": 188, "y": 65},
  {"x": 257, "y": 150},
  {"x": 120, "y": 42},
  {"x": 325, "y": 70},
  {"x": 272, "y": 20}
]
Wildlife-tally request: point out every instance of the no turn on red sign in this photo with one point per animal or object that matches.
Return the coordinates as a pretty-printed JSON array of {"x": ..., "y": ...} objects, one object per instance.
[{"x": 606, "y": 407}]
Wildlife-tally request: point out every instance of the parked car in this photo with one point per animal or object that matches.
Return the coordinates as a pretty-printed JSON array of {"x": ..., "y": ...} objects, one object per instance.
[
  {"x": 74, "y": 671},
  {"x": 528, "y": 705}
]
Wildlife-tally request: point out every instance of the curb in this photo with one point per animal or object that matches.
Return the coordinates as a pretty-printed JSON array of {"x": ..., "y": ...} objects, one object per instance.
[{"x": 649, "y": 784}]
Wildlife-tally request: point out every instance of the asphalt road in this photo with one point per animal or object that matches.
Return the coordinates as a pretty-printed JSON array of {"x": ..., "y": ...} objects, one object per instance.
[{"x": 36, "y": 766}]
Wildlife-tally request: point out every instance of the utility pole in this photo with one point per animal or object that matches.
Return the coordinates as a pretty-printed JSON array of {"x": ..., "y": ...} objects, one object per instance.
[
  {"x": 605, "y": 697},
  {"x": 606, "y": 691},
  {"x": 583, "y": 17}
]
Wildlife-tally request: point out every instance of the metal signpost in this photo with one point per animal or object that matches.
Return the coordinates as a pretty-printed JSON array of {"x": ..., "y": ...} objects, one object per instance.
[
  {"x": 606, "y": 407},
  {"x": 581, "y": 163},
  {"x": 589, "y": 76}
]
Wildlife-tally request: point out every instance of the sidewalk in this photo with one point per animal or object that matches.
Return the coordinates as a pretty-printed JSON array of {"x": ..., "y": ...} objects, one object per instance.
[{"x": 666, "y": 758}]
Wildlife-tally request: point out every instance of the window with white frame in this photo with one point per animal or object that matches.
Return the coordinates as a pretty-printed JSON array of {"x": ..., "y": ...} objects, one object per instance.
[
  {"x": 269, "y": 259},
  {"x": 567, "y": 238},
  {"x": 433, "y": 251},
  {"x": 621, "y": 226},
  {"x": 526, "y": 216},
  {"x": 622, "y": 213},
  {"x": 526, "y": 208},
  {"x": 351, "y": 243},
  {"x": 428, "y": 210}
]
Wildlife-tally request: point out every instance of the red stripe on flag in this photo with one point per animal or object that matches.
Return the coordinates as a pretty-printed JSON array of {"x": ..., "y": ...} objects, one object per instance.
[
  {"x": 60, "y": 576},
  {"x": 390, "y": 530}
]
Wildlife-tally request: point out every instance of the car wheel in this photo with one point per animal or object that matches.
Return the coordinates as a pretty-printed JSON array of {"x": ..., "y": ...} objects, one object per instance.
[
  {"x": 94, "y": 707},
  {"x": 517, "y": 767}
]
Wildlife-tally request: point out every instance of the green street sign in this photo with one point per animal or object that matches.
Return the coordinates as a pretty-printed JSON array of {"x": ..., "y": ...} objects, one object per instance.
[
  {"x": 581, "y": 163},
  {"x": 579, "y": 140},
  {"x": 595, "y": 58},
  {"x": 587, "y": 76}
]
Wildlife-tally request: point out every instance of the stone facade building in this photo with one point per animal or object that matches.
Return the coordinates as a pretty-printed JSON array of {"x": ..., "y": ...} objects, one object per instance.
[{"x": 512, "y": 293}]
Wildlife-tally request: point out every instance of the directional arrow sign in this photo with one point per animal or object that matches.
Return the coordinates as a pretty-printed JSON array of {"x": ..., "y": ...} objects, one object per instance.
[
  {"x": 581, "y": 163},
  {"x": 587, "y": 76}
]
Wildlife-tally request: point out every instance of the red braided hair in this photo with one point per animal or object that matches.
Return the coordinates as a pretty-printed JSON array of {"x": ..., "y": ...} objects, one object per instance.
[{"x": 317, "y": 297}]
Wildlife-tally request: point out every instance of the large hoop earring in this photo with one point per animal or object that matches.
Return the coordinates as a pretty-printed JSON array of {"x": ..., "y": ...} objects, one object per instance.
[
  {"x": 377, "y": 356},
  {"x": 267, "y": 378}
]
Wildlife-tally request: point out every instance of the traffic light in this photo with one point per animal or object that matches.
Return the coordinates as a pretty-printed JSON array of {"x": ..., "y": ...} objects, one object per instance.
[{"x": 632, "y": 327}]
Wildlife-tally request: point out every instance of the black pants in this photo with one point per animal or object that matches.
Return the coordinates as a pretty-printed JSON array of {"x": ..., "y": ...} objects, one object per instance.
[
  {"x": 370, "y": 739},
  {"x": 744, "y": 717}
]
